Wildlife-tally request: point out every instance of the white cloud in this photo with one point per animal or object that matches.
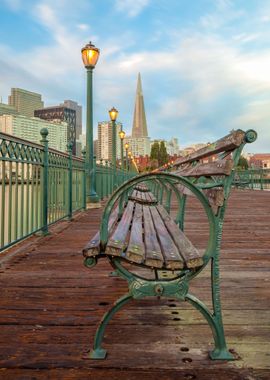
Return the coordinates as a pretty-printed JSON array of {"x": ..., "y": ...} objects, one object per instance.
[
  {"x": 83, "y": 26},
  {"x": 14, "y": 5},
  {"x": 130, "y": 7}
]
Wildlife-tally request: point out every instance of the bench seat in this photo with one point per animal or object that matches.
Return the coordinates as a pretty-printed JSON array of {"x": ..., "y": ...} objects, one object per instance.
[{"x": 146, "y": 234}]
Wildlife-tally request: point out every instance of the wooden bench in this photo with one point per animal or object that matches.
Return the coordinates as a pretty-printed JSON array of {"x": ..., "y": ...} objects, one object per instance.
[{"x": 141, "y": 237}]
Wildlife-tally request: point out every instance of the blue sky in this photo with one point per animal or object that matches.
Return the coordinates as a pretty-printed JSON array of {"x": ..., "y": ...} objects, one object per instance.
[{"x": 205, "y": 64}]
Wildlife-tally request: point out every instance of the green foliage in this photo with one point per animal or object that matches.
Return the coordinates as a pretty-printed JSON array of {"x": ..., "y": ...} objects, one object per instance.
[
  {"x": 159, "y": 153},
  {"x": 154, "y": 151},
  {"x": 242, "y": 163},
  {"x": 163, "y": 155}
]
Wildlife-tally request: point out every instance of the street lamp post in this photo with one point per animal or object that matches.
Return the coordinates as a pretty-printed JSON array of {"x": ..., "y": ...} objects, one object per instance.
[
  {"x": 122, "y": 135},
  {"x": 129, "y": 156},
  {"x": 126, "y": 148},
  {"x": 113, "y": 115},
  {"x": 90, "y": 56}
]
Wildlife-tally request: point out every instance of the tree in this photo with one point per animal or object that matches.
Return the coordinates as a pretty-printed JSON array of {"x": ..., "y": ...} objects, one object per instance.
[
  {"x": 154, "y": 155},
  {"x": 163, "y": 155},
  {"x": 159, "y": 153},
  {"x": 242, "y": 163}
]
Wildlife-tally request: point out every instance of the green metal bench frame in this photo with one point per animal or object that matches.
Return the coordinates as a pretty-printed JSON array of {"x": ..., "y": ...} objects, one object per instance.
[{"x": 178, "y": 286}]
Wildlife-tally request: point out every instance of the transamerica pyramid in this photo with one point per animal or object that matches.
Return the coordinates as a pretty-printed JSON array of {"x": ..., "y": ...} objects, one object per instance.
[{"x": 139, "y": 128}]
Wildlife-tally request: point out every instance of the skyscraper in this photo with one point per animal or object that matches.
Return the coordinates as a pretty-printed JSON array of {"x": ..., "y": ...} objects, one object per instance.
[
  {"x": 76, "y": 107},
  {"x": 25, "y": 102},
  {"x": 139, "y": 128},
  {"x": 28, "y": 128},
  {"x": 104, "y": 149},
  {"x": 139, "y": 141},
  {"x": 61, "y": 113}
]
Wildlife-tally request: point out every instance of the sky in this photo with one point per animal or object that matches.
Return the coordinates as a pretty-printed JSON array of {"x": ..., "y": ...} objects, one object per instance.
[{"x": 205, "y": 64}]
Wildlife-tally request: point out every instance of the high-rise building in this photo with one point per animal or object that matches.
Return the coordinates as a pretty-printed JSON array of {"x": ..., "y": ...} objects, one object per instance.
[
  {"x": 61, "y": 113},
  {"x": 139, "y": 146},
  {"x": 105, "y": 140},
  {"x": 139, "y": 128},
  {"x": 5, "y": 109},
  {"x": 25, "y": 102},
  {"x": 139, "y": 141},
  {"x": 76, "y": 107},
  {"x": 28, "y": 128}
]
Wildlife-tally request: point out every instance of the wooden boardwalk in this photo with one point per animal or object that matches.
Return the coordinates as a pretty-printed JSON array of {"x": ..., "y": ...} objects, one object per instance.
[{"x": 50, "y": 306}]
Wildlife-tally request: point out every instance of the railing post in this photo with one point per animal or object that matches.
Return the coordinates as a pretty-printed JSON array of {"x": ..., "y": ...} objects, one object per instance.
[
  {"x": 44, "y": 141},
  {"x": 101, "y": 179},
  {"x": 84, "y": 179},
  {"x": 69, "y": 149},
  {"x": 261, "y": 178},
  {"x": 93, "y": 177},
  {"x": 107, "y": 179}
]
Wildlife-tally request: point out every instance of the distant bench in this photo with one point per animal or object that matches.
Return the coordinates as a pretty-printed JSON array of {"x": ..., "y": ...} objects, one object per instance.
[{"x": 137, "y": 231}]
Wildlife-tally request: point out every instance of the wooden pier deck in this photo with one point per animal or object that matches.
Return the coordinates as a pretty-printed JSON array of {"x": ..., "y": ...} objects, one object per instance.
[{"x": 50, "y": 307}]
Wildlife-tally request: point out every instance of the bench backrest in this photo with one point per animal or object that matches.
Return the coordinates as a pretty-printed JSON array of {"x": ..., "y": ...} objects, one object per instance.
[{"x": 211, "y": 168}]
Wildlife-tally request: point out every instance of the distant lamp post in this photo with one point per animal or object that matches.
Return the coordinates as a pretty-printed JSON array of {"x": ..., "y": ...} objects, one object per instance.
[
  {"x": 113, "y": 115},
  {"x": 122, "y": 135},
  {"x": 90, "y": 56},
  {"x": 126, "y": 148},
  {"x": 129, "y": 159}
]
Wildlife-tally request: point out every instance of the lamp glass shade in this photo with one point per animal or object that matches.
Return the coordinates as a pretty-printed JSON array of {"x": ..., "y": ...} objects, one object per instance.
[
  {"x": 113, "y": 114},
  {"x": 126, "y": 146},
  {"x": 122, "y": 135},
  {"x": 129, "y": 154},
  {"x": 90, "y": 55}
]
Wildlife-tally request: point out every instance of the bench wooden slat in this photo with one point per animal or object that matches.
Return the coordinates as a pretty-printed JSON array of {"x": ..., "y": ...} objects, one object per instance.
[
  {"x": 219, "y": 167},
  {"x": 172, "y": 258},
  {"x": 190, "y": 254},
  {"x": 227, "y": 143},
  {"x": 92, "y": 248},
  {"x": 117, "y": 241},
  {"x": 142, "y": 187},
  {"x": 143, "y": 197},
  {"x": 214, "y": 195},
  {"x": 135, "y": 251},
  {"x": 153, "y": 254}
]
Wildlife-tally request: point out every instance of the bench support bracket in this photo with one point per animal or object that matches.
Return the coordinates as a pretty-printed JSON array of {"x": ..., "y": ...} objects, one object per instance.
[{"x": 98, "y": 352}]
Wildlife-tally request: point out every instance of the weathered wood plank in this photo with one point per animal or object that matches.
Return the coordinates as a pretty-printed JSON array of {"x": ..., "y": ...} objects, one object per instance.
[
  {"x": 135, "y": 251},
  {"x": 172, "y": 258},
  {"x": 118, "y": 240},
  {"x": 219, "y": 167},
  {"x": 227, "y": 143},
  {"x": 93, "y": 246},
  {"x": 214, "y": 195},
  {"x": 153, "y": 253},
  {"x": 190, "y": 254}
]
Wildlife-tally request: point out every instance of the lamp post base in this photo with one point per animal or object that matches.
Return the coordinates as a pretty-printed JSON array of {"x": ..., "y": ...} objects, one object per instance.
[{"x": 93, "y": 205}]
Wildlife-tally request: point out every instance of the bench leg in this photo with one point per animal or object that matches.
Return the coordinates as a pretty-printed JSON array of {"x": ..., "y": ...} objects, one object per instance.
[
  {"x": 98, "y": 352},
  {"x": 220, "y": 352}
]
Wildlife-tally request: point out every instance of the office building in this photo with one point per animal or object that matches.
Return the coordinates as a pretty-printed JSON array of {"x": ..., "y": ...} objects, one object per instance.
[
  {"x": 104, "y": 150},
  {"x": 139, "y": 146},
  {"x": 76, "y": 107},
  {"x": 61, "y": 114},
  {"x": 139, "y": 142},
  {"x": 25, "y": 102},
  {"x": 5, "y": 109},
  {"x": 28, "y": 128}
]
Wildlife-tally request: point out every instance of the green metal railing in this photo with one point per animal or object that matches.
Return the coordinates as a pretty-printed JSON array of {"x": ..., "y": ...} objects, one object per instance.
[
  {"x": 255, "y": 179},
  {"x": 40, "y": 186}
]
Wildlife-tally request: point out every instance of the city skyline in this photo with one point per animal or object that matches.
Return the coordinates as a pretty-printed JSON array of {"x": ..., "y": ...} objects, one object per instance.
[{"x": 204, "y": 66}]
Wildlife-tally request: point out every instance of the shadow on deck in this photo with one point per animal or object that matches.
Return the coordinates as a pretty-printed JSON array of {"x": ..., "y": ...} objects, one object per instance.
[{"x": 51, "y": 305}]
